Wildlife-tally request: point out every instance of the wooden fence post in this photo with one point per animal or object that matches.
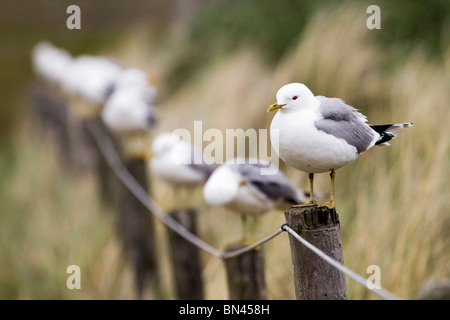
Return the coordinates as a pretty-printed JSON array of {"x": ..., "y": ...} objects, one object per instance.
[
  {"x": 137, "y": 229},
  {"x": 185, "y": 258},
  {"x": 50, "y": 115},
  {"x": 245, "y": 274},
  {"x": 437, "y": 289},
  {"x": 314, "y": 278},
  {"x": 97, "y": 163}
]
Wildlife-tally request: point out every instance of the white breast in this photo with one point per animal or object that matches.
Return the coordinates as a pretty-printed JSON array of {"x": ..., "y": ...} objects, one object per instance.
[
  {"x": 250, "y": 201},
  {"x": 305, "y": 148},
  {"x": 173, "y": 167},
  {"x": 225, "y": 188}
]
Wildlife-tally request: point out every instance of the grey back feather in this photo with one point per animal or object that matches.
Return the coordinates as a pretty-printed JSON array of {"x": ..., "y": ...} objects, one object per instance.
[
  {"x": 344, "y": 122},
  {"x": 275, "y": 187}
]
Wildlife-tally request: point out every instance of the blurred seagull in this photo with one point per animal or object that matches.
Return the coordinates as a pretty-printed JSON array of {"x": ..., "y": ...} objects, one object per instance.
[
  {"x": 50, "y": 64},
  {"x": 88, "y": 81},
  {"x": 136, "y": 78},
  {"x": 129, "y": 112},
  {"x": 174, "y": 161},
  {"x": 130, "y": 107},
  {"x": 316, "y": 134},
  {"x": 240, "y": 186}
]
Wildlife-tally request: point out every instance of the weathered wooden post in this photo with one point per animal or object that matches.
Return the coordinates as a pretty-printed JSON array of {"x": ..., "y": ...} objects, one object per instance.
[
  {"x": 84, "y": 150},
  {"x": 137, "y": 229},
  {"x": 104, "y": 176},
  {"x": 437, "y": 289},
  {"x": 134, "y": 223},
  {"x": 185, "y": 258},
  {"x": 50, "y": 115},
  {"x": 245, "y": 274},
  {"x": 314, "y": 278}
]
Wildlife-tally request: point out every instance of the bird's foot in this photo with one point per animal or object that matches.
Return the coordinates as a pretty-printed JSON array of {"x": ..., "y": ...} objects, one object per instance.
[
  {"x": 311, "y": 203},
  {"x": 329, "y": 204}
]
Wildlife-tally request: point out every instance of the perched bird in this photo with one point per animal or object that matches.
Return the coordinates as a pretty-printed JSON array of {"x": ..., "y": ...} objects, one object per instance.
[
  {"x": 176, "y": 162},
  {"x": 134, "y": 77},
  {"x": 316, "y": 134},
  {"x": 50, "y": 64},
  {"x": 130, "y": 108},
  {"x": 88, "y": 81},
  {"x": 240, "y": 186}
]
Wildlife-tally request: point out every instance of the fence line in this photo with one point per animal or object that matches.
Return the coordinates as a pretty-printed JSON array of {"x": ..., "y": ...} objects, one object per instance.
[
  {"x": 112, "y": 158},
  {"x": 107, "y": 148}
]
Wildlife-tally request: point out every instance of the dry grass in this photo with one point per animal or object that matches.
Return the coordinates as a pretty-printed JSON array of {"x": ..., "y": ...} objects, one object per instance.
[
  {"x": 392, "y": 201},
  {"x": 53, "y": 219}
]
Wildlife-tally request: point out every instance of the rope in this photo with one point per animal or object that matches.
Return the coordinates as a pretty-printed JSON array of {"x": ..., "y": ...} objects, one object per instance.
[
  {"x": 231, "y": 254},
  {"x": 360, "y": 279}
]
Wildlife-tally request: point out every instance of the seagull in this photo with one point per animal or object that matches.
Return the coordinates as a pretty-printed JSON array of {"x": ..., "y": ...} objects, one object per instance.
[
  {"x": 130, "y": 108},
  {"x": 129, "y": 112},
  {"x": 175, "y": 162},
  {"x": 316, "y": 134},
  {"x": 90, "y": 80},
  {"x": 49, "y": 63},
  {"x": 239, "y": 185}
]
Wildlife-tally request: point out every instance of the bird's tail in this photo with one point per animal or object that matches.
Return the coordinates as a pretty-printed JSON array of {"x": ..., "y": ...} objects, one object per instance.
[{"x": 385, "y": 134}]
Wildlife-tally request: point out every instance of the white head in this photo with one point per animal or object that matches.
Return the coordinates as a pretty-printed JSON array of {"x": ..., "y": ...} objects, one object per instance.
[
  {"x": 293, "y": 97},
  {"x": 222, "y": 186},
  {"x": 49, "y": 62}
]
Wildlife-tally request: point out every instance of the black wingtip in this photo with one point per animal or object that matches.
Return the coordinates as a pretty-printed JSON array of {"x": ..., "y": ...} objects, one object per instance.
[{"x": 385, "y": 137}]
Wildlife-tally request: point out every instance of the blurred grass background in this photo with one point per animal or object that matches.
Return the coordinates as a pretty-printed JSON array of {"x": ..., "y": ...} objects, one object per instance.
[{"x": 222, "y": 62}]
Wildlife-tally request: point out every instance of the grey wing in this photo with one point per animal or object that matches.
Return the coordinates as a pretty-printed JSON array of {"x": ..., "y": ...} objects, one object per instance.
[
  {"x": 345, "y": 122},
  {"x": 276, "y": 186}
]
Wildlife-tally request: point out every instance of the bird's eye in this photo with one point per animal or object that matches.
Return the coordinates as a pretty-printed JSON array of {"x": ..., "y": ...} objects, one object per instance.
[{"x": 294, "y": 98}]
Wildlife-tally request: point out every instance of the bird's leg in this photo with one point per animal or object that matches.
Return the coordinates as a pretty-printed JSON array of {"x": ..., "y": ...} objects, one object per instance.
[
  {"x": 330, "y": 203},
  {"x": 311, "y": 189},
  {"x": 179, "y": 198},
  {"x": 131, "y": 146},
  {"x": 312, "y": 201},
  {"x": 175, "y": 198},
  {"x": 244, "y": 228},
  {"x": 183, "y": 199},
  {"x": 252, "y": 229}
]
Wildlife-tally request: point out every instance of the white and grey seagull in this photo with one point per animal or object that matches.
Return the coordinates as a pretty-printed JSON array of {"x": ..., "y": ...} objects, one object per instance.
[
  {"x": 239, "y": 185},
  {"x": 129, "y": 109},
  {"x": 179, "y": 164},
  {"x": 173, "y": 160},
  {"x": 317, "y": 134}
]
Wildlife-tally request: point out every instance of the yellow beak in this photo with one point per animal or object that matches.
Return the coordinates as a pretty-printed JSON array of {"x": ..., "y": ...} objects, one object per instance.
[{"x": 275, "y": 107}]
